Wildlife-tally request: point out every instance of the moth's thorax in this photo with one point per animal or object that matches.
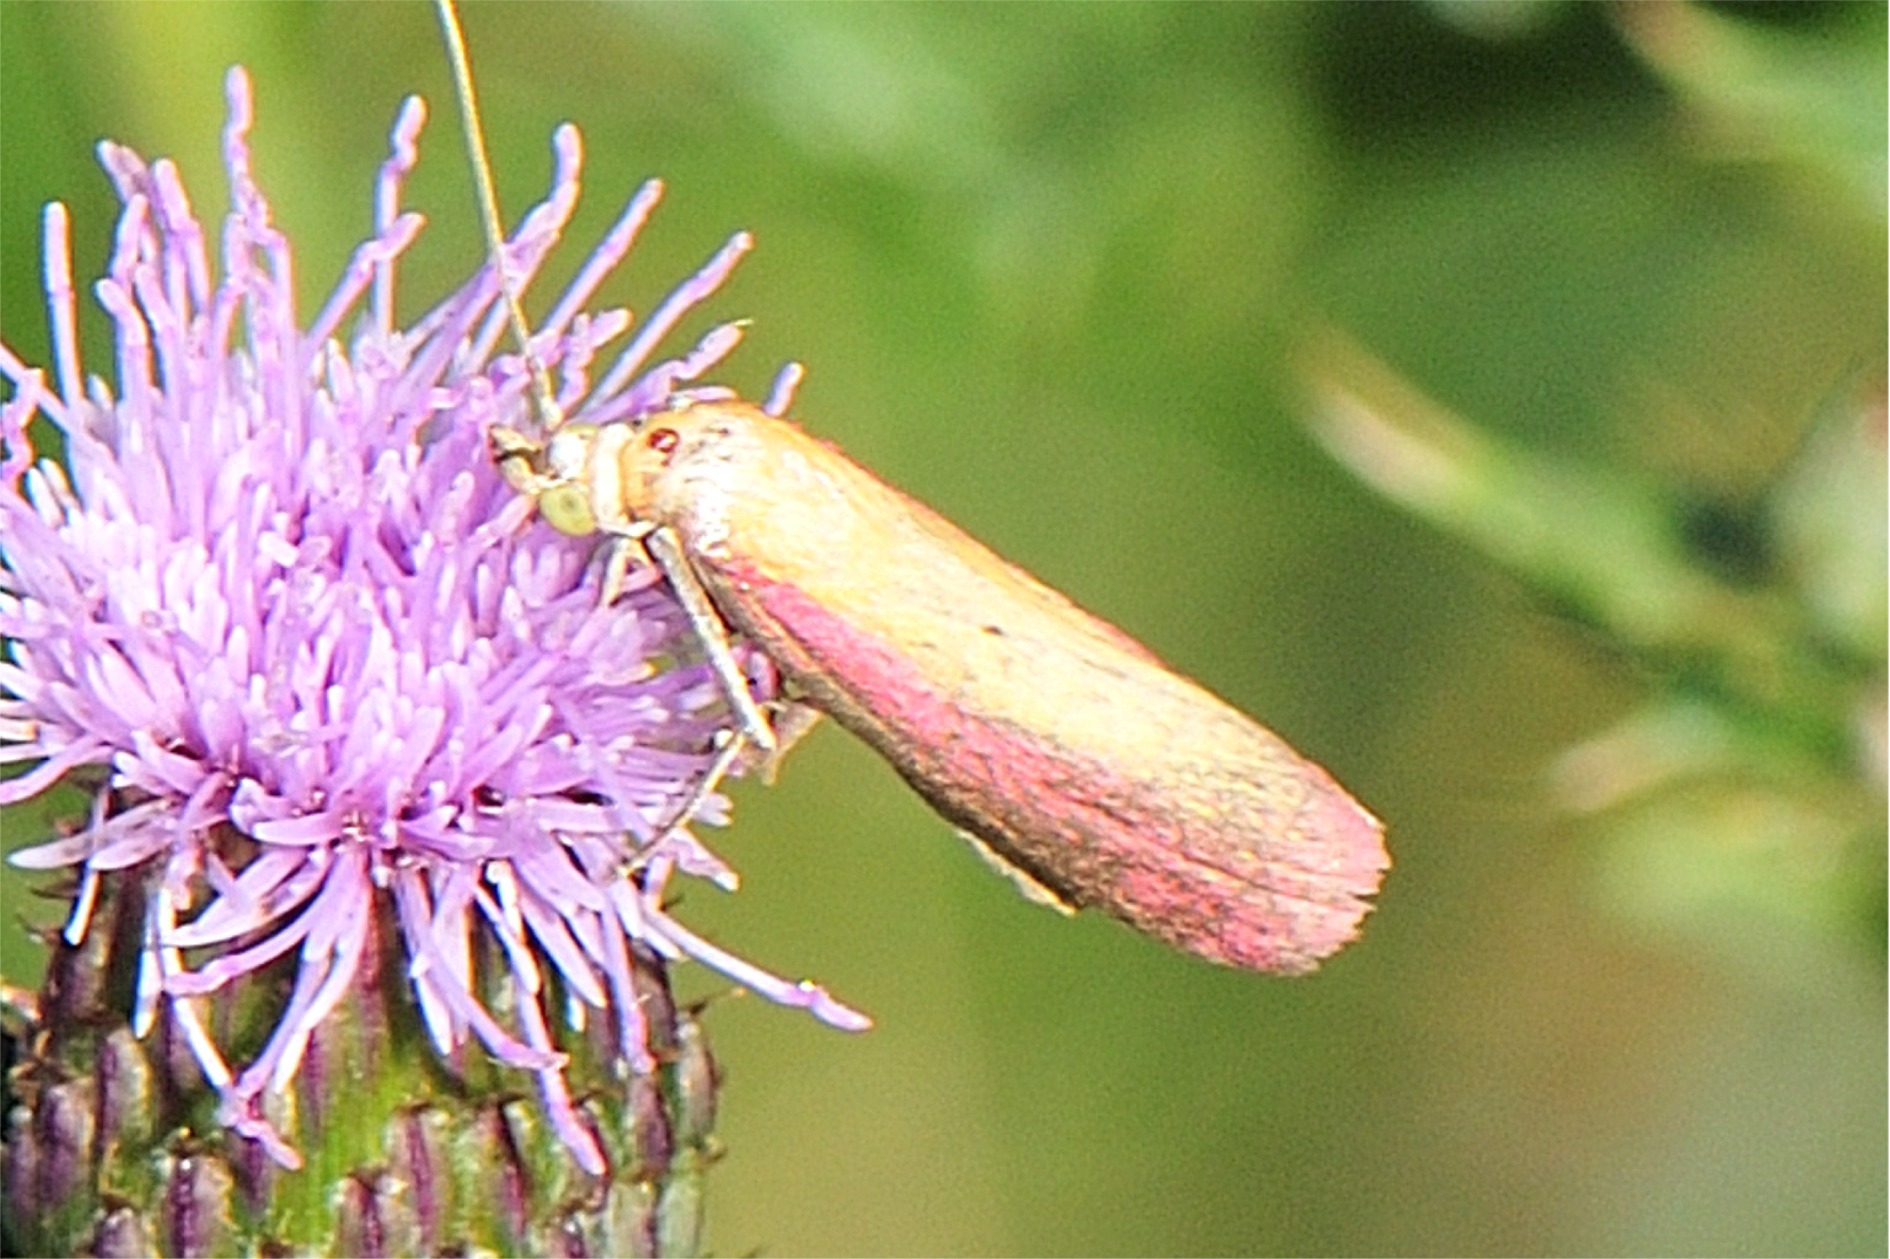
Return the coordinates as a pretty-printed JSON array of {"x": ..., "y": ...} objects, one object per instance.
[{"x": 684, "y": 468}]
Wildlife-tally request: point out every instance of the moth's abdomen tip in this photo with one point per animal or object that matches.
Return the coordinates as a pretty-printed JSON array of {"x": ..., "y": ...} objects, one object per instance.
[
  {"x": 1343, "y": 864},
  {"x": 1343, "y": 840},
  {"x": 1294, "y": 897},
  {"x": 1285, "y": 934}
]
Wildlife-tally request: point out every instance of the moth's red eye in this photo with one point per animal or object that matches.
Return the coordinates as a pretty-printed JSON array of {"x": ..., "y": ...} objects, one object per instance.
[{"x": 662, "y": 440}]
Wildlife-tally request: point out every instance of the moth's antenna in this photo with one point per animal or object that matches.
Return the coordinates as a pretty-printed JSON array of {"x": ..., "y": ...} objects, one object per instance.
[{"x": 545, "y": 402}]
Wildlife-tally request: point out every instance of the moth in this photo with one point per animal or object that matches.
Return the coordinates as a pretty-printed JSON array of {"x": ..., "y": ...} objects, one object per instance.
[{"x": 1066, "y": 751}]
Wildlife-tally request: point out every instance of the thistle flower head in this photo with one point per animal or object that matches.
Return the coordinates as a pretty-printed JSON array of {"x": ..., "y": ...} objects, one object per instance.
[{"x": 330, "y": 680}]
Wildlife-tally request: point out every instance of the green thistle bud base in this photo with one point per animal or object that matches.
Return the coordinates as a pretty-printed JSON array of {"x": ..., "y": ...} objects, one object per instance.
[{"x": 113, "y": 1145}]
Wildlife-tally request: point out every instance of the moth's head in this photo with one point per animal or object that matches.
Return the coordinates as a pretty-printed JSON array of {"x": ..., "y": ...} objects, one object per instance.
[{"x": 552, "y": 474}]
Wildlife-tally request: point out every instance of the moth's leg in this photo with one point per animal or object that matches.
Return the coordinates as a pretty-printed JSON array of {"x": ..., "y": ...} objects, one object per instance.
[
  {"x": 729, "y": 746},
  {"x": 625, "y": 548},
  {"x": 791, "y": 721},
  {"x": 665, "y": 549}
]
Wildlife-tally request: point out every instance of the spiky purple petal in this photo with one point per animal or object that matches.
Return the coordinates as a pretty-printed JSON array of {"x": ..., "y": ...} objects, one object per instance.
[{"x": 277, "y": 591}]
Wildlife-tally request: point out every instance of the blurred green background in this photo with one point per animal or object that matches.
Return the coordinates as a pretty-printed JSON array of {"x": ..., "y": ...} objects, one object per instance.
[{"x": 1060, "y": 271}]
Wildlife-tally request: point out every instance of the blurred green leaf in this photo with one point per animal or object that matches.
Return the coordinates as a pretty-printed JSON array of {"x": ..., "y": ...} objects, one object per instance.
[{"x": 1808, "y": 92}]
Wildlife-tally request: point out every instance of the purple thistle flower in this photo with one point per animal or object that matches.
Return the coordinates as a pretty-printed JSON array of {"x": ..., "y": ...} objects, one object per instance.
[{"x": 316, "y": 658}]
